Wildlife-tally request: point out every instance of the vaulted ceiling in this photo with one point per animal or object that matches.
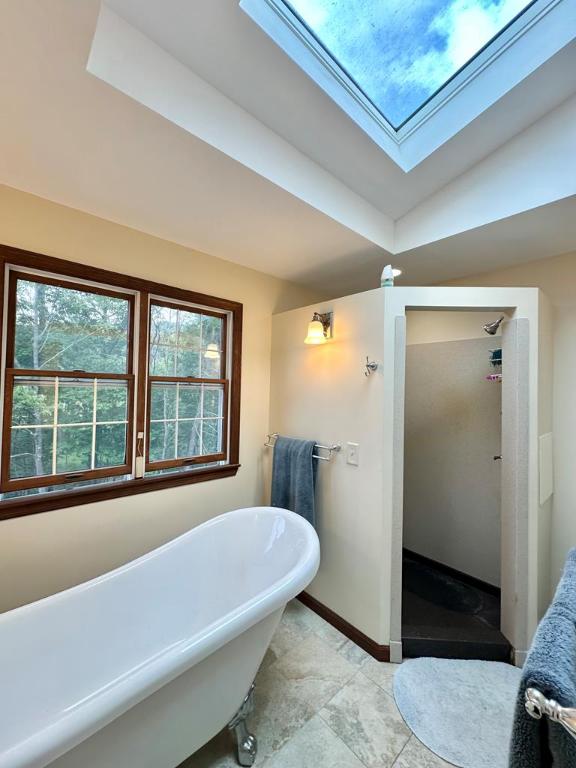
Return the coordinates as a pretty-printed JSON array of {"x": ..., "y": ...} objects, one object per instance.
[{"x": 183, "y": 119}]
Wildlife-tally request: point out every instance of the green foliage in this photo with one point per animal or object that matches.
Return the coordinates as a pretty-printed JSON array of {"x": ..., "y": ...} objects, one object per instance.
[
  {"x": 63, "y": 425},
  {"x": 192, "y": 406},
  {"x": 64, "y": 329},
  {"x": 178, "y": 340}
]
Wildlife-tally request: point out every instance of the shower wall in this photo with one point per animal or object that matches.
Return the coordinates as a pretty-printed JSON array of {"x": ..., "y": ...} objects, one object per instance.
[{"x": 452, "y": 433}]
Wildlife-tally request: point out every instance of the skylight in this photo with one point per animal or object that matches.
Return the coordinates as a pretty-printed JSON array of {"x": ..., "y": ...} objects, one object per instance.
[
  {"x": 401, "y": 52},
  {"x": 413, "y": 73}
]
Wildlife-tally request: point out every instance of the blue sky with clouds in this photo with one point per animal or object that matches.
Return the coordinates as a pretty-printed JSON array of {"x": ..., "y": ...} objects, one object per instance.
[{"x": 401, "y": 51}]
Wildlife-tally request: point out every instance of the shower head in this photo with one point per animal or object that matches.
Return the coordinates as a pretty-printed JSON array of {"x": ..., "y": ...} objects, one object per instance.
[{"x": 491, "y": 328}]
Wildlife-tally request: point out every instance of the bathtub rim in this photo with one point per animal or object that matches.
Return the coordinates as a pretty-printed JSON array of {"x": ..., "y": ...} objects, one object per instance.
[{"x": 92, "y": 714}]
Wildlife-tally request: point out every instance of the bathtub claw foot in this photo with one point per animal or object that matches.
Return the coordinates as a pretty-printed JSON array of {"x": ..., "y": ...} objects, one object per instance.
[{"x": 246, "y": 743}]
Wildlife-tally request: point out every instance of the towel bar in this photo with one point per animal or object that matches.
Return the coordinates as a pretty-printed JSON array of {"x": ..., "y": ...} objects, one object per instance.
[
  {"x": 537, "y": 705},
  {"x": 271, "y": 441}
]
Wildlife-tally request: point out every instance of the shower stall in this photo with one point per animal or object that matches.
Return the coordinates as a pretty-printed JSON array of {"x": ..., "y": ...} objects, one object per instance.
[
  {"x": 525, "y": 415},
  {"x": 322, "y": 392},
  {"x": 452, "y": 488}
]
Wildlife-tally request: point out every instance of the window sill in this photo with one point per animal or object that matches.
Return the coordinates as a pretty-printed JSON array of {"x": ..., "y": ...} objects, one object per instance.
[{"x": 43, "y": 503}]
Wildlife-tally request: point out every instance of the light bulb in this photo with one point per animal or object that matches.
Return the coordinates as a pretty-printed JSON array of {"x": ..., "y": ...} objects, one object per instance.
[{"x": 315, "y": 333}]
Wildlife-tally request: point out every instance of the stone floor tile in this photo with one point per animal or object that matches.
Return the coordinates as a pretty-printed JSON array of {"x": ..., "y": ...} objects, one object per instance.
[
  {"x": 314, "y": 745},
  {"x": 381, "y": 673},
  {"x": 416, "y": 755},
  {"x": 367, "y": 720}
]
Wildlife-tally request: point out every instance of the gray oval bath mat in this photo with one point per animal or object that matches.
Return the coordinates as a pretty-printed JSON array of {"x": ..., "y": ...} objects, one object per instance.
[{"x": 461, "y": 710}]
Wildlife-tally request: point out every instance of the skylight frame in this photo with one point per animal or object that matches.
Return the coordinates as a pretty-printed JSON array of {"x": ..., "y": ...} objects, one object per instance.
[
  {"x": 530, "y": 39},
  {"x": 443, "y": 90}
]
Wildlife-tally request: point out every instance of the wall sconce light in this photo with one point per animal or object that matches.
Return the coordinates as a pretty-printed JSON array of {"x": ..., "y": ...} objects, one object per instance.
[
  {"x": 319, "y": 329},
  {"x": 212, "y": 352}
]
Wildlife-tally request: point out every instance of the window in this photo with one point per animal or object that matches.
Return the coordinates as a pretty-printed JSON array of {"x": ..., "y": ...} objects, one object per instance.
[
  {"x": 412, "y": 74},
  {"x": 69, "y": 383},
  {"x": 187, "y": 386},
  {"x": 111, "y": 385},
  {"x": 401, "y": 53}
]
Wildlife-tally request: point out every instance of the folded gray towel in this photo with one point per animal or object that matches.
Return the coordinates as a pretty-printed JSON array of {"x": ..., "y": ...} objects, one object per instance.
[
  {"x": 294, "y": 476},
  {"x": 550, "y": 668}
]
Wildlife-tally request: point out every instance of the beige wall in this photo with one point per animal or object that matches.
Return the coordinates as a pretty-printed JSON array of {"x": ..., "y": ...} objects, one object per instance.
[
  {"x": 452, "y": 432},
  {"x": 557, "y": 279},
  {"x": 432, "y": 326},
  {"x": 321, "y": 393},
  {"x": 47, "y": 552}
]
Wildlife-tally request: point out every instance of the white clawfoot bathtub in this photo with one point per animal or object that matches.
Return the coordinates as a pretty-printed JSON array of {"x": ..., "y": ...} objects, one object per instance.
[{"x": 142, "y": 666}]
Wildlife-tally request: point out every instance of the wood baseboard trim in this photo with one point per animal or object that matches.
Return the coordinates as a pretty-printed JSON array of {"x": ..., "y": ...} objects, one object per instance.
[{"x": 379, "y": 652}]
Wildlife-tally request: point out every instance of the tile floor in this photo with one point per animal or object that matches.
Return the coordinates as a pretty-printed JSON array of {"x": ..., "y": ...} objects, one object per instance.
[{"x": 322, "y": 702}]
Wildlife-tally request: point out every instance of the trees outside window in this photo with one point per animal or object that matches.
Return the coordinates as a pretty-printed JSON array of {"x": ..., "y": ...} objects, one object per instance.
[
  {"x": 69, "y": 382},
  {"x": 106, "y": 383},
  {"x": 187, "y": 386}
]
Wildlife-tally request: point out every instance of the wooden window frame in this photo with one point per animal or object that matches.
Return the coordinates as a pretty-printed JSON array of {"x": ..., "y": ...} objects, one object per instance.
[
  {"x": 95, "y": 279},
  {"x": 152, "y": 466},
  {"x": 10, "y": 373}
]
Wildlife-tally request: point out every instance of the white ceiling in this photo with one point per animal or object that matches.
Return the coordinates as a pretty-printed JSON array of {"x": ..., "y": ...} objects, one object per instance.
[
  {"x": 72, "y": 138},
  {"x": 224, "y": 46},
  {"x": 548, "y": 230},
  {"x": 68, "y": 137}
]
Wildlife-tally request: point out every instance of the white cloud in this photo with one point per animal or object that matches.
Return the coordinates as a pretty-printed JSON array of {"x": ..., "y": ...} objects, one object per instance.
[
  {"x": 468, "y": 25},
  {"x": 401, "y": 51}
]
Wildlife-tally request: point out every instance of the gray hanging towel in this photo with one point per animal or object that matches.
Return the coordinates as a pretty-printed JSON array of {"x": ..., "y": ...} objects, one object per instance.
[
  {"x": 294, "y": 476},
  {"x": 550, "y": 668}
]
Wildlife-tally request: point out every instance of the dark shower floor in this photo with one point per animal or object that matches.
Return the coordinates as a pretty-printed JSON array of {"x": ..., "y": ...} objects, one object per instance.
[{"x": 447, "y": 617}]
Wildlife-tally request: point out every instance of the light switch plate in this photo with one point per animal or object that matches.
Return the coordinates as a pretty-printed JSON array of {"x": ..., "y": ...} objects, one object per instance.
[{"x": 353, "y": 454}]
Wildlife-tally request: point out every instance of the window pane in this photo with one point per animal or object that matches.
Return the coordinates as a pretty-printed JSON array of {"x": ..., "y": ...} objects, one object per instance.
[
  {"x": 31, "y": 452},
  {"x": 66, "y": 329},
  {"x": 211, "y": 347},
  {"x": 199, "y": 409},
  {"x": 111, "y": 400},
  {"x": 37, "y": 401},
  {"x": 162, "y": 440},
  {"x": 188, "y": 363},
  {"x": 190, "y": 401},
  {"x": 163, "y": 401},
  {"x": 33, "y": 401},
  {"x": 211, "y": 436},
  {"x": 190, "y": 330},
  {"x": 213, "y": 400},
  {"x": 110, "y": 445},
  {"x": 189, "y": 442},
  {"x": 211, "y": 330},
  {"x": 184, "y": 343},
  {"x": 399, "y": 53},
  {"x": 163, "y": 341},
  {"x": 162, "y": 360},
  {"x": 210, "y": 367},
  {"x": 75, "y": 401},
  {"x": 73, "y": 449}
]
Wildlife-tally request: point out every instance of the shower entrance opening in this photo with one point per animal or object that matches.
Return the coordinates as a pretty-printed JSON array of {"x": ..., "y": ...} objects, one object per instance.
[
  {"x": 452, "y": 453},
  {"x": 461, "y": 566}
]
